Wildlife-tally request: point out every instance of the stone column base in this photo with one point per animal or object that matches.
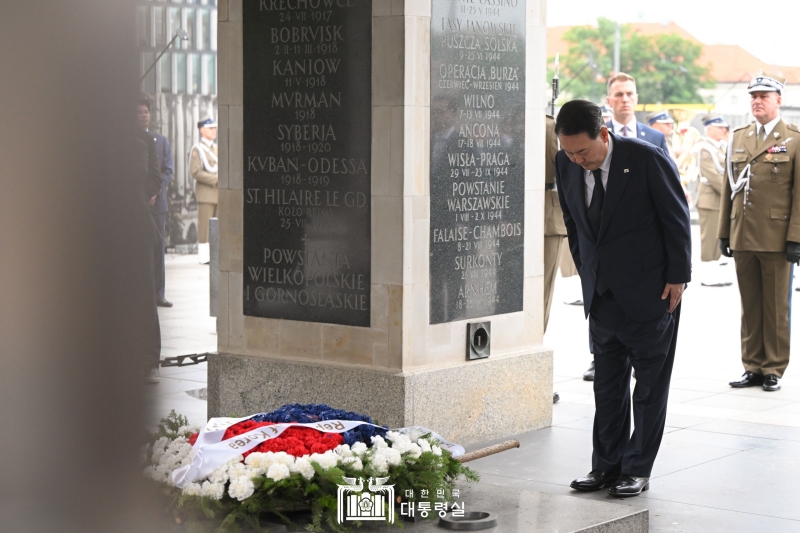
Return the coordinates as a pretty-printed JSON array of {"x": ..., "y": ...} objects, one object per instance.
[{"x": 466, "y": 403}]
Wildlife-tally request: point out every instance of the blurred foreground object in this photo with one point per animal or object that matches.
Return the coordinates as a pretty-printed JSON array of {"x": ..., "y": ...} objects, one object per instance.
[{"x": 72, "y": 318}]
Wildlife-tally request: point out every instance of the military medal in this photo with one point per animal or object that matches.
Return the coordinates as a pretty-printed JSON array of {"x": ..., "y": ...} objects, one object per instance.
[
  {"x": 768, "y": 157},
  {"x": 777, "y": 149},
  {"x": 775, "y": 169}
]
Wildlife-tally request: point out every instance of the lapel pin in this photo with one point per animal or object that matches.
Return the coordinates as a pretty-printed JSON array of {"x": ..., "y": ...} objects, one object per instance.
[
  {"x": 625, "y": 171},
  {"x": 776, "y": 134},
  {"x": 750, "y": 134},
  {"x": 642, "y": 134}
]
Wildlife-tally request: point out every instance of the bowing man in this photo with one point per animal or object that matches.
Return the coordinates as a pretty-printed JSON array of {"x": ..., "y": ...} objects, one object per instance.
[{"x": 628, "y": 228}]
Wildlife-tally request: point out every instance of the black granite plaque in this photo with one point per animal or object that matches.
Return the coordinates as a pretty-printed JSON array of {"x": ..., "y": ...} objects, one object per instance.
[
  {"x": 477, "y": 158},
  {"x": 307, "y": 141}
]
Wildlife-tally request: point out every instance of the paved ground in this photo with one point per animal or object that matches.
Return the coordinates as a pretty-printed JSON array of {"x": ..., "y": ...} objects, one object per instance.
[{"x": 728, "y": 461}]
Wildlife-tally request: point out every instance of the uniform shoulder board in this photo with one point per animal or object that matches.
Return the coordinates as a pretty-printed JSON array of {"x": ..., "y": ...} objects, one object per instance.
[
  {"x": 793, "y": 127},
  {"x": 742, "y": 127}
]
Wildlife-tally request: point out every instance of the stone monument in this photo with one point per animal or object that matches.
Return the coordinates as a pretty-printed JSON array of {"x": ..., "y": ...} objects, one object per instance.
[{"x": 380, "y": 212}]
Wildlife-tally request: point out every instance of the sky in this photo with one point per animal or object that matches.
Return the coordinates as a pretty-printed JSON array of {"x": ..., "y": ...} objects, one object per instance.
[{"x": 768, "y": 30}]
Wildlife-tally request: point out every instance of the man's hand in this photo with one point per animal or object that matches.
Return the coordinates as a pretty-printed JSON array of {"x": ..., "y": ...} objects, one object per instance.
[
  {"x": 675, "y": 293},
  {"x": 793, "y": 252},
  {"x": 725, "y": 247},
  {"x": 153, "y": 200}
]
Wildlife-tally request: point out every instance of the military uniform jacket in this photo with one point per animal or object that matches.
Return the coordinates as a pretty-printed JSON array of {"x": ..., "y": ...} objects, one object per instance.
[
  {"x": 711, "y": 163},
  {"x": 553, "y": 216},
  {"x": 763, "y": 216},
  {"x": 206, "y": 190}
]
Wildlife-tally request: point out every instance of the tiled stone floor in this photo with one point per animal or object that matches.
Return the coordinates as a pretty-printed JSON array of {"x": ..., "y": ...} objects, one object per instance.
[{"x": 728, "y": 462}]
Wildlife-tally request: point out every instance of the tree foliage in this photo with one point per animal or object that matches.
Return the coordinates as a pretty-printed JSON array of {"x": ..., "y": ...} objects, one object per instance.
[{"x": 665, "y": 66}]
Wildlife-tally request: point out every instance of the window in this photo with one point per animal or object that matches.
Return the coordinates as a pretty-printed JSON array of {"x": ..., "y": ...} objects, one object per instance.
[
  {"x": 160, "y": 26},
  {"x": 180, "y": 67},
  {"x": 191, "y": 29},
  {"x": 165, "y": 66},
  {"x": 149, "y": 83},
  {"x": 174, "y": 23},
  {"x": 196, "y": 73},
  {"x": 142, "y": 26},
  {"x": 205, "y": 30},
  {"x": 211, "y": 74}
]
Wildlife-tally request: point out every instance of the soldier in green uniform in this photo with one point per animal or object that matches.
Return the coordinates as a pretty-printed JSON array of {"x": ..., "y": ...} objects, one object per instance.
[
  {"x": 710, "y": 153},
  {"x": 554, "y": 229},
  {"x": 759, "y": 226}
]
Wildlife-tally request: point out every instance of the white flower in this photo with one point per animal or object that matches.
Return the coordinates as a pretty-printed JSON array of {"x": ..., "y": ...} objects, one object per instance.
[
  {"x": 436, "y": 450},
  {"x": 359, "y": 448},
  {"x": 343, "y": 450},
  {"x": 326, "y": 460},
  {"x": 354, "y": 462},
  {"x": 220, "y": 475},
  {"x": 189, "y": 430},
  {"x": 162, "y": 473},
  {"x": 378, "y": 442},
  {"x": 424, "y": 445},
  {"x": 304, "y": 467},
  {"x": 380, "y": 463},
  {"x": 283, "y": 458},
  {"x": 150, "y": 472},
  {"x": 414, "y": 451},
  {"x": 241, "y": 488},
  {"x": 278, "y": 471},
  {"x": 213, "y": 490},
  {"x": 401, "y": 443},
  {"x": 193, "y": 489},
  {"x": 237, "y": 470},
  {"x": 393, "y": 457},
  {"x": 259, "y": 461}
]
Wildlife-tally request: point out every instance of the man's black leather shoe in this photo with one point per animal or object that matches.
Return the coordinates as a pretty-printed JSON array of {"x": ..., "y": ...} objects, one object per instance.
[
  {"x": 771, "y": 383},
  {"x": 163, "y": 302},
  {"x": 589, "y": 374},
  {"x": 627, "y": 486},
  {"x": 594, "y": 480},
  {"x": 749, "y": 379}
]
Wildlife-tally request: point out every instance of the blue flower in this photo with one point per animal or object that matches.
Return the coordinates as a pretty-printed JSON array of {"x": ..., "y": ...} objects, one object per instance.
[{"x": 315, "y": 412}]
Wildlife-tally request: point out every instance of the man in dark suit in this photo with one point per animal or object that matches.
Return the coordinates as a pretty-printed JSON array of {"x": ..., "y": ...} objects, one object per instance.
[
  {"x": 628, "y": 228},
  {"x": 158, "y": 203},
  {"x": 622, "y": 97}
]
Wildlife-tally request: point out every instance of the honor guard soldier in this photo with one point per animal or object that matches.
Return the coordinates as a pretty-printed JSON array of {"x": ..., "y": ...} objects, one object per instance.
[
  {"x": 554, "y": 229},
  {"x": 759, "y": 226},
  {"x": 711, "y": 152},
  {"x": 663, "y": 122},
  {"x": 203, "y": 168}
]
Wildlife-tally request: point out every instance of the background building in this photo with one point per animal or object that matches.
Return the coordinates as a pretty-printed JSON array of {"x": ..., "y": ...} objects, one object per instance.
[{"x": 183, "y": 89}]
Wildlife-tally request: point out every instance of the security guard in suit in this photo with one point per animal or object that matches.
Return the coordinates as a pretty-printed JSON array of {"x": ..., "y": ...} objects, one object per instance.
[
  {"x": 711, "y": 154},
  {"x": 759, "y": 226},
  {"x": 554, "y": 229}
]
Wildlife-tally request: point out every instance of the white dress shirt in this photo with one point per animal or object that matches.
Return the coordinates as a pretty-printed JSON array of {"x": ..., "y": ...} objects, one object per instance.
[
  {"x": 588, "y": 177},
  {"x": 769, "y": 126},
  {"x": 618, "y": 128}
]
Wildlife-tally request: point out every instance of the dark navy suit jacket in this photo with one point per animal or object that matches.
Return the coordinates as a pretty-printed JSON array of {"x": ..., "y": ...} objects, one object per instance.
[
  {"x": 164, "y": 156},
  {"x": 647, "y": 134},
  {"x": 644, "y": 241}
]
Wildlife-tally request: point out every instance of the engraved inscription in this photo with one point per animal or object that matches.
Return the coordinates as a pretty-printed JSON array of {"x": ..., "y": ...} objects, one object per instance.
[
  {"x": 307, "y": 139},
  {"x": 477, "y": 158}
]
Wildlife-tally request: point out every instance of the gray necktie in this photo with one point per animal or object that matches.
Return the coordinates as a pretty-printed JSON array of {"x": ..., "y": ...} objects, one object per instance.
[
  {"x": 762, "y": 133},
  {"x": 625, "y": 131}
]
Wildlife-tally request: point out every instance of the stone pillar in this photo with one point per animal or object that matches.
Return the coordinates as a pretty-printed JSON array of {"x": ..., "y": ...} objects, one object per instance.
[{"x": 401, "y": 369}]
